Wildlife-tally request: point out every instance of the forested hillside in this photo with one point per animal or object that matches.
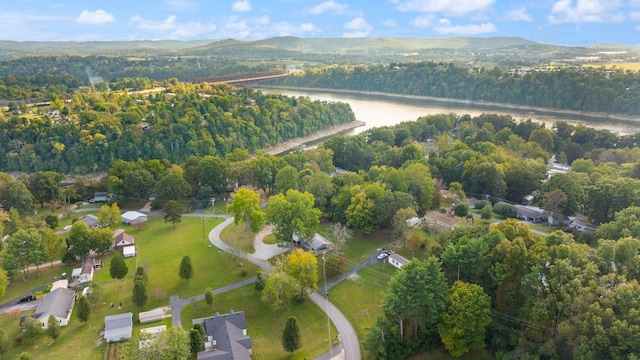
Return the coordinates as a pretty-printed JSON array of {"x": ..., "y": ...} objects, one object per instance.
[
  {"x": 94, "y": 128},
  {"x": 579, "y": 89}
]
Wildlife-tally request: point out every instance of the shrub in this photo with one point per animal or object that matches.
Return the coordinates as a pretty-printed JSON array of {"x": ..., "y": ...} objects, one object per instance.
[
  {"x": 506, "y": 210},
  {"x": 461, "y": 209},
  {"x": 480, "y": 204}
]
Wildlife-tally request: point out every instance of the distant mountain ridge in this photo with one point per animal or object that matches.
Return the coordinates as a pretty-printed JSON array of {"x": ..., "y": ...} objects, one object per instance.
[{"x": 287, "y": 43}]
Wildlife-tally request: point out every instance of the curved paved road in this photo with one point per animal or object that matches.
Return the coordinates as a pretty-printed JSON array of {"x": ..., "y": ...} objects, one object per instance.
[{"x": 347, "y": 333}]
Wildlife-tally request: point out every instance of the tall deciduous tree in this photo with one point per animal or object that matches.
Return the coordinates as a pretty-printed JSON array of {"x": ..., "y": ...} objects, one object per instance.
[
  {"x": 117, "y": 267},
  {"x": 172, "y": 186},
  {"x": 45, "y": 186},
  {"x": 173, "y": 212},
  {"x": 302, "y": 268},
  {"x": 361, "y": 213},
  {"x": 109, "y": 216},
  {"x": 292, "y": 213},
  {"x": 186, "y": 268},
  {"x": 30, "y": 329},
  {"x": 291, "y": 337},
  {"x": 462, "y": 326},
  {"x": 277, "y": 291},
  {"x": 246, "y": 207},
  {"x": 416, "y": 298},
  {"x": 21, "y": 250},
  {"x": 171, "y": 344},
  {"x": 83, "y": 309},
  {"x": 80, "y": 239}
]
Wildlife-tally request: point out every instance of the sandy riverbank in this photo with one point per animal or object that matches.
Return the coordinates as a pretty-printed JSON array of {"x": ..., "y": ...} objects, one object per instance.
[
  {"x": 551, "y": 111},
  {"x": 294, "y": 143}
]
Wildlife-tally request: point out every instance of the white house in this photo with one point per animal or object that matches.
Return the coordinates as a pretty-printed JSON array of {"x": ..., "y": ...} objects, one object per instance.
[
  {"x": 118, "y": 327},
  {"x": 397, "y": 260},
  {"x": 133, "y": 217},
  {"x": 58, "y": 303}
]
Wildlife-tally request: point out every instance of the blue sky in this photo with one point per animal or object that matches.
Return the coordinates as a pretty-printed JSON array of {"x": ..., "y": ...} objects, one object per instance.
[{"x": 565, "y": 22}]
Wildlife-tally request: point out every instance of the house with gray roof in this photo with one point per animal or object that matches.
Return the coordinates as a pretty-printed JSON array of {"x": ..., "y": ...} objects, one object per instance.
[
  {"x": 59, "y": 303},
  {"x": 118, "y": 327},
  {"x": 91, "y": 220},
  {"x": 226, "y": 337}
]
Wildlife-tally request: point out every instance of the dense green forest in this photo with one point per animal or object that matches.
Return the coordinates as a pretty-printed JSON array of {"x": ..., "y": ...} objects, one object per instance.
[
  {"x": 94, "y": 128},
  {"x": 579, "y": 89}
]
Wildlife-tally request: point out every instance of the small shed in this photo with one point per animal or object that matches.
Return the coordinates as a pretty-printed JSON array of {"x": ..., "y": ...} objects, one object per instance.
[
  {"x": 133, "y": 217},
  {"x": 100, "y": 196},
  {"x": 397, "y": 261},
  {"x": 129, "y": 251},
  {"x": 118, "y": 327},
  {"x": 156, "y": 314}
]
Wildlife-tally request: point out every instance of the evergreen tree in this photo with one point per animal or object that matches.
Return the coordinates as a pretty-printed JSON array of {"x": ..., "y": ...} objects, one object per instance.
[
  {"x": 291, "y": 335},
  {"x": 186, "y": 269},
  {"x": 140, "y": 296},
  {"x": 117, "y": 267},
  {"x": 53, "y": 328},
  {"x": 83, "y": 309},
  {"x": 196, "y": 341}
]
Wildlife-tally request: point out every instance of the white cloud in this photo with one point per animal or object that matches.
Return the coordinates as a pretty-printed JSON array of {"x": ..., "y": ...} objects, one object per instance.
[
  {"x": 422, "y": 21},
  {"x": 519, "y": 15},
  {"x": 328, "y": 6},
  {"x": 634, "y": 16},
  {"x": 180, "y": 5},
  {"x": 359, "y": 27},
  {"x": 472, "y": 29},
  {"x": 389, "y": 23},
  {"x": 445, "y": 6},
  {"x": 241, "y": 6},
  {"x": 579, "y": 11},
  {"x": 97, "y": 17},
  {"x": 171, "y": 29}
]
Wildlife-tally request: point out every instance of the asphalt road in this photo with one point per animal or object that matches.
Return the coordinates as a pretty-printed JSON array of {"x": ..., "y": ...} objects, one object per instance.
[{"x": 348, "y": 336}]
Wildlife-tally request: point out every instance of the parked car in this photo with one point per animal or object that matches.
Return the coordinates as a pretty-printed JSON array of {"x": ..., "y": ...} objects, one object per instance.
[
  {"x": 382, "y": 255},
  {"x": 25, "y": 299},
  {"x": 66, "y": 228}
]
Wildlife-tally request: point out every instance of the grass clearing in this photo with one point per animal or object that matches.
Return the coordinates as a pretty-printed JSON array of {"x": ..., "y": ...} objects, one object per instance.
[
  {"x": 359, "y": 247},
  {"x": 160, "y": 248},
  {"x": 270, "y": 239},
  {"x": 265, "y": 326},
  {"x": 359, "y": 299},
  {"x": 236, "y": 235}
]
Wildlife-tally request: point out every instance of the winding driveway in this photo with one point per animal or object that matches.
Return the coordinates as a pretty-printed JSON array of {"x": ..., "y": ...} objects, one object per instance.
[{"x": 348, "y": 336}]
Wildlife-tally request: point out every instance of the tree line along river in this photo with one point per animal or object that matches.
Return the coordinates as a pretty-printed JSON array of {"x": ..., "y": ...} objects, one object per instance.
[{"x": 380, "y": 110}]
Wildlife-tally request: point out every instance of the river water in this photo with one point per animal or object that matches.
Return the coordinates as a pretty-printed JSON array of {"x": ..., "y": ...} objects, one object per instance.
[{"x": 384, "y": 111}]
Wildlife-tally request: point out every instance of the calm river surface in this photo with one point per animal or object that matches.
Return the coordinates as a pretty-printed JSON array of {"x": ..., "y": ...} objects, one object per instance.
[{"x": 384, "y": 111}]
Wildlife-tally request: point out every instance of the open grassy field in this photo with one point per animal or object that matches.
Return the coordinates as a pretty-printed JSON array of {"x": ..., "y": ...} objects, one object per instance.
[
  {"x": 265, "y": 326},
  {"x": 160, "y": 248},
  {"x": 360, "y": 246},
  {"x": 237, "y": 236},
  {"x": 359, "y": 298},
  {"x": 633, "y": 66}
]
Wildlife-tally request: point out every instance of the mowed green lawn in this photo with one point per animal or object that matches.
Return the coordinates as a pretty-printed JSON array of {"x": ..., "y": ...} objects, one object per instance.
[
  {"x": 360, "y": 298},
  {"x": 360, "y": 247},
  {"x": 265, "y": 326},
  {"x": 160, "y": 249}
]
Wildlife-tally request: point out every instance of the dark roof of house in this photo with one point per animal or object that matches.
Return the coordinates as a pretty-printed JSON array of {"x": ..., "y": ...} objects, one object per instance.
[
  {"x": 90, "y": 219},
  {"x": 228, "y": 331},
  {"x": 530, "y": 211},
  {"x": 57, "y": 303}
]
